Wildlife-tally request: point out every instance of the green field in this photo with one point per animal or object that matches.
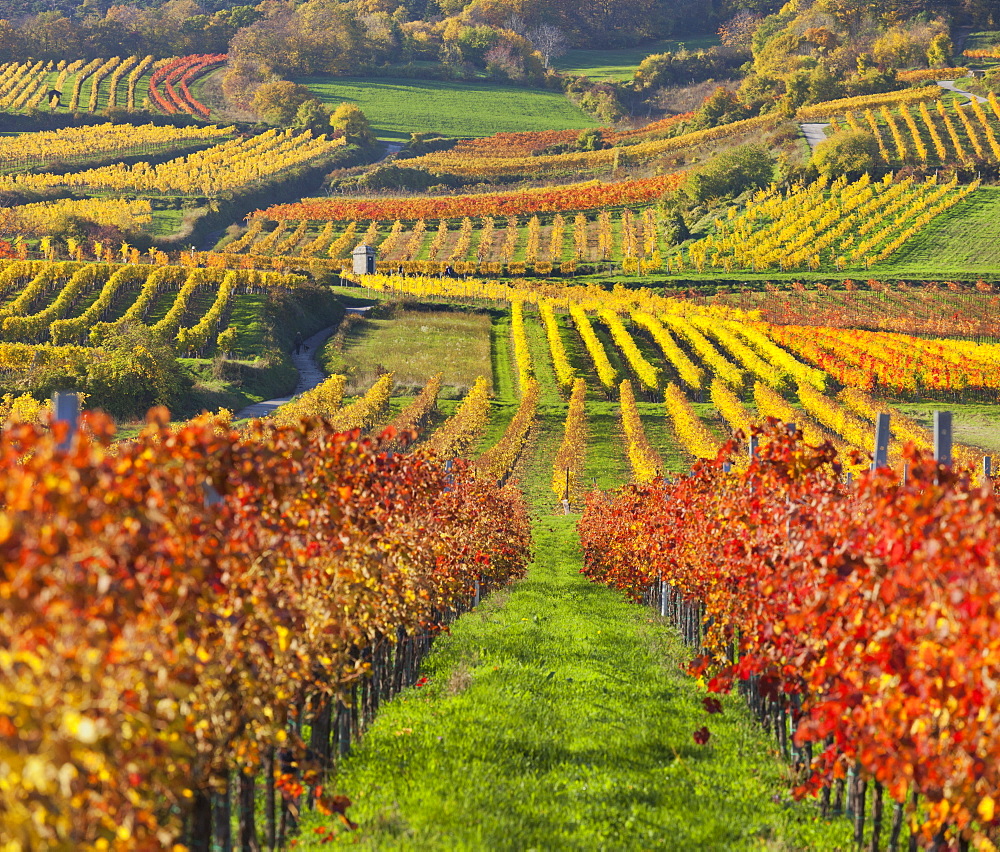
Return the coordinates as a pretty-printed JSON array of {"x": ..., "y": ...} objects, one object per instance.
[
  {"x": 396, "y": 107},
  {"x": 976, "y": 424},
  {"x": 414, "y": 345},
  {"x": 965, "y": 239},
  {"x": 982, "y": 40},
  {"x": 620, "y": 64}
]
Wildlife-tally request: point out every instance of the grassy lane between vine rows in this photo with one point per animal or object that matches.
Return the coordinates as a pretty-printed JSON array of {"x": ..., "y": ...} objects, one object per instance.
[
  {"x": 557, "y": 716},
  {"x": 506, "y": 394}
]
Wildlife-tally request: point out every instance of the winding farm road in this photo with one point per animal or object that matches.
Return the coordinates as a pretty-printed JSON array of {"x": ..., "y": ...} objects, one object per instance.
[
  {"x": 310, "y": 375},
  {"x": 950, "y": 86},
  {"x": 814, "y": 133}
]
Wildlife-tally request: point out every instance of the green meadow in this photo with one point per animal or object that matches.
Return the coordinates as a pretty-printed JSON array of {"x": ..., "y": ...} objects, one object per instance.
[
  {"x": 620, "y": 63},
  {"x": 397, "y": 107}
]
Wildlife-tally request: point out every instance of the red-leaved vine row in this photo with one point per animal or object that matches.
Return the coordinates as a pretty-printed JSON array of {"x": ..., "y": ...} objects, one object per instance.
[
  {"x": 177, "y": 606},
  {"x": 179, "y": 74},
  {"x": 868, "y": 613}
]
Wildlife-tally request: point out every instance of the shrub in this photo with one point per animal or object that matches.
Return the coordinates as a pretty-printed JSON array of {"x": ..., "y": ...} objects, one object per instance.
[
  {"x": 730, "y": 173},
  {"x": 847, "y": 152}
]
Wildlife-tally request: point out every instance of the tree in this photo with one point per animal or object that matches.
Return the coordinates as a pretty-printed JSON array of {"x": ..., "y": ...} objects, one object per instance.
[
  {"x": 312, "y": 115},
  {"x": 731, "y": 173},
  {"x": 53, "y": 35},
  {"x": 349, "y": 119},
  {"x": 591, "y": 140},
  {"x": 675, "y": 229},
  {"x": 475, "y": 43},
  {"x": 227, "y": 339},
  {"x": 939, "y": 51},
  {"x": 912, "y": 44},
  {"x": 278, "y": 102},
  {"x": 9, "y": 40},
  {"x": 721, "y": 107},
  {"x": 991, "y": 80},
  {"x": 738, "y": 31},
  {"x": 847, "y": 152},
  {"x": 244, "y": 75},
  {"x": 549, "y": 41},
  {"x": 503, "y": 63},
  {"x": 130, "y": 374},
  {"x": 610, "y": 23},
  {"x": 318, "y": 37}
]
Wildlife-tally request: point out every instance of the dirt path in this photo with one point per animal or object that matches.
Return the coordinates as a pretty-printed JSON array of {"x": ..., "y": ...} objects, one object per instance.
[
  {"x": 310, "y": 375},
  {"x": 950, "y": 86},
  {"x": 814, "y": 133}
]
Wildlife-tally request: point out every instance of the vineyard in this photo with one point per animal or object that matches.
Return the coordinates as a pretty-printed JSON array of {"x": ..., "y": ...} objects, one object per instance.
[
  {"x": 614, "y": 222},
  {"x": 682, "y": 379},
  {"x": 82, "y": 145},
  {"x": 662, "y": 345},
  {"x": 655, "y": 381},
  {"x": 960, "y": 242},
  {"x": 803, "y": 659},
  {"x": 933, "y": 133},
  {"x": 71, "y": 304},
  {"x": 126, "y": 84},
  {"x": 809, "y": 227},
  {"x": 640, "y": 496},
  {"x": 488, "y": 245},
  {"x": 822, "y": 377},
  {"x": 889, "y": 100},
  {"x": 583, "y": 196},
  {"x": 224, "y": 167},
  {"x": 935, "y": 309},
  {"x": 631, "y": 150}
]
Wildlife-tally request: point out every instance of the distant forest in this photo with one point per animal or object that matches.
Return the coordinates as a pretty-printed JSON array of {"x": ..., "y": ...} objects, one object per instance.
[
  {"x": 770, "y": 55},
  {"x": 60, "y": 28}
]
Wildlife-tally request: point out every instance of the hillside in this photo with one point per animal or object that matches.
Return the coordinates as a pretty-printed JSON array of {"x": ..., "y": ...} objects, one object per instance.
[{"x": 475, "y": 425}]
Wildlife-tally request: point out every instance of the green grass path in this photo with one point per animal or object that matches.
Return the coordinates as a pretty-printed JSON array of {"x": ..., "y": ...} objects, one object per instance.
[
  {"x": 557, "y": 717},
  {"x": 961, "y": 241}
]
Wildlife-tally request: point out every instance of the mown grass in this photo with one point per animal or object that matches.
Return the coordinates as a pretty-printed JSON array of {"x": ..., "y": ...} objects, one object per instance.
[
  {"x": 557, "y": 717},
  {"x": 661, "y": 437},
  {"x": 398, "y": 107},
  {"x": 975, "y": 424},
  {"x": 505, "y": 392},
  {"x": 165, "y": 222},
  {"x": 247, "y": 316},
  {"x": 159, "y": 307},
  {"x": 620, "y": 63},
  {"x": 416, "y": 345},
  {"x": 965, "y": 239}
]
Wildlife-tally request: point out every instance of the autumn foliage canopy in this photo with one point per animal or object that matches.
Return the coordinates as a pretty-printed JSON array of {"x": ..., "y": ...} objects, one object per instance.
[{"x": 170, "y": 600}]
